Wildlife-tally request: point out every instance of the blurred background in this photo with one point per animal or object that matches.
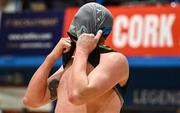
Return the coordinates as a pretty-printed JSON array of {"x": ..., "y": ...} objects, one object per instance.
[{"x": 146, "y": 31}]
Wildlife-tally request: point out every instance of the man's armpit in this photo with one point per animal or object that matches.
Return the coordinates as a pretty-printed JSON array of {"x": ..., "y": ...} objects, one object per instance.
[{"x": 52, "y": 86}]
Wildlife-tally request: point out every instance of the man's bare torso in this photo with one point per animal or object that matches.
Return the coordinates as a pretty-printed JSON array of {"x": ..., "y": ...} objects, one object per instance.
[{"x": 107, "y": 103}]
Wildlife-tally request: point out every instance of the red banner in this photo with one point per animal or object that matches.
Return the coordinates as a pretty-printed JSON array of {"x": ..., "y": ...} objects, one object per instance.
[{"x": 142, "y": 30}]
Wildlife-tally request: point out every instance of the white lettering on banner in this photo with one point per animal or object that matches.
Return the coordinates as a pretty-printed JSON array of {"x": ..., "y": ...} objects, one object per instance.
[
  {"x": 135, "y": 31},
  {"x": 156, "y": 97},
  {"x": 120, "y": 22},
  {"x": 30, "y": 45},
  {"x": 30, "y": 36},
  {"x": 165, "y": 31},
  {"x": 150, "y": 30}
]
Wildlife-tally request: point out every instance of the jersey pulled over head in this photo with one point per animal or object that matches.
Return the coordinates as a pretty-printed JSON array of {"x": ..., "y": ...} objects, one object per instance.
[{"x": 90, "y": 18}]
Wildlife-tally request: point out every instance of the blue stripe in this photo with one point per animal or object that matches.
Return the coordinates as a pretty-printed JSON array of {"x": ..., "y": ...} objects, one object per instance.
[
  {"x": 33, "y": 61},
  {"x": 23, "y": 61},
  {"x": 154, "y": 61}
]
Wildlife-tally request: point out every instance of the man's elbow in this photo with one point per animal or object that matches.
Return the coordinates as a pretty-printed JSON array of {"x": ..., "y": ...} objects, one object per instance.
[
  {"x": 28, "y": 103},
  {"x": 76, "y": 98}
]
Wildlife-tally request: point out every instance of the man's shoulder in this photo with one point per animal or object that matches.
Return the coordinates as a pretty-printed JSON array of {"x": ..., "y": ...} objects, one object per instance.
[
  {"x": 117, "y": 65},
  {"x": 114, "y": 57}
]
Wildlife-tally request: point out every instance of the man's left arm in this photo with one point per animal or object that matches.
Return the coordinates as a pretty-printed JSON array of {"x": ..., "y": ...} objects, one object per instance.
[{"x": 83, "y": 87}]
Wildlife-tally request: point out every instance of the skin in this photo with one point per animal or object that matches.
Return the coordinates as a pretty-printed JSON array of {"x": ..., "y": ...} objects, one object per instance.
[{"x": 82, "y": 88}]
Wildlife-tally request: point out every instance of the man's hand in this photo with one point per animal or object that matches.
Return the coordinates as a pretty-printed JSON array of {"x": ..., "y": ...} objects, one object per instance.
[
  {"x": 63, "y": 46},
  {"x": 87, "y": 42}
]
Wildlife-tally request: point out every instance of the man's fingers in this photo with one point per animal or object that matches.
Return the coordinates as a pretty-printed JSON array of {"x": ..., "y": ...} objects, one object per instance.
[
  {"x": 66, "y": 50},
  {"x": 98, "y": 35},
  {"x": 91, "y": 35},
  {"x": 67, "y": 47},
  {"x": 68, "y": 40}
]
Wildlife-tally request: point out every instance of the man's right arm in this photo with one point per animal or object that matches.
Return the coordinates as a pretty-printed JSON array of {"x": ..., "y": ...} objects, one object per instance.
[{"x": 37, "y": 92}]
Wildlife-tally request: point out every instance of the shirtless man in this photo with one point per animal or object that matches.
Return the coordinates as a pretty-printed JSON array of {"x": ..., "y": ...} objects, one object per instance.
[{"x": 82, "y": 87}]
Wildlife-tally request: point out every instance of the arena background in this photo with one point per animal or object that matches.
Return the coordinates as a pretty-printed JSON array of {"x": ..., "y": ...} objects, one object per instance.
[{"x": 146, "y": 31}]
